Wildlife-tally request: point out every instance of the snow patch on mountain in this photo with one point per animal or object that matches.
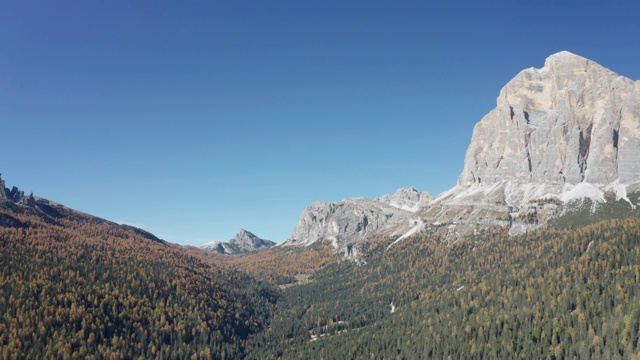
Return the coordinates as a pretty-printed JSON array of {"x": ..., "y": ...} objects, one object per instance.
[
  {"x": 582, "y": 190},
  {"x": 406, "y": 235},
  {"x": 620, "y": 190}
]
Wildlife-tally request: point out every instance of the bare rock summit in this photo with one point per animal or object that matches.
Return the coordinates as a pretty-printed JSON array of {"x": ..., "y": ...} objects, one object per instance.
[
  {"x": 244, "y": 242},
  {"x": 568, "y": 122},
  {"x": 567, "y": 131},
  {"x": 350, "y": 221}
]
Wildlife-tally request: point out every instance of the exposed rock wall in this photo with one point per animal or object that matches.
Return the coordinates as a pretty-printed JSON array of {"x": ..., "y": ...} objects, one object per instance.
[
  {"x": 349, "y": 221},
  {"x": 571, "y": 121}
]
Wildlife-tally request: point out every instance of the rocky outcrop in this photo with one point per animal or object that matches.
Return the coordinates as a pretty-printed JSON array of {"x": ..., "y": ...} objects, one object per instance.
[
  {"x": 244, "y": 242},
  {"x": 408, "y": 199},
  {"x": 3, "y": 191},
  {"x": 8, "y": 221},
  {"x": 16, "y": 195},
  {"x": 353, "y": 220}
]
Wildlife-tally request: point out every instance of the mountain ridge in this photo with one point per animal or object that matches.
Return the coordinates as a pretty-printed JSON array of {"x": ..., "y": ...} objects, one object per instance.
[
  {"x": 357, "y": 219},
  {"x": 53, "y": 211},
  {"x": 567, "y": 131}
]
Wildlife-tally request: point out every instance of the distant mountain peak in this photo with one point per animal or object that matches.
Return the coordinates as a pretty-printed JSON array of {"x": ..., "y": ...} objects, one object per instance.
[
  {"x": 243, "y": 242},
  {"x": 409, "y": 199},
  {"x": 244, "y": 233}
]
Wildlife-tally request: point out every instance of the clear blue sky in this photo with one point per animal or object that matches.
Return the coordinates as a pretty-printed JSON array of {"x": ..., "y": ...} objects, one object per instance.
[{"x": 193, "y": 119}]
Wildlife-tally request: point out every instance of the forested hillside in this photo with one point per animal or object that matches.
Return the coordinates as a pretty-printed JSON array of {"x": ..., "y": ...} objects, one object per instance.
[
  {"x": 555, "y": 293},
  {"x": 74, "y": 286},
  {"x": 278, "y": 265}
]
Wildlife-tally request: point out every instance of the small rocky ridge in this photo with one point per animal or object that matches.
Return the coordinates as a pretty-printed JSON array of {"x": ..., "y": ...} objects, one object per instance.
[{"x": 15, "y": 195}]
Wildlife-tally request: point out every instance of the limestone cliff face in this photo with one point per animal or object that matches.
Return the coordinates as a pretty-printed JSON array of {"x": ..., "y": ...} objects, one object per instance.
[
  {"x": 353, "y": 220},
  {"x": 567, "y": 131},
  {"x": 570, "y": 121}
]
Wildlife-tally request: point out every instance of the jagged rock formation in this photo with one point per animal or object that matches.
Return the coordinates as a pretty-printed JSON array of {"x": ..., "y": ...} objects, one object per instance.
[
  {"x": 408, "y": 199},
  {"x": 244, "y": 242},
  {"x": 567, "y": 131},
  {"x": 15, "y": 195},
  {"x": 3, "y": 189},
  {"x": 353, "y": 220}
]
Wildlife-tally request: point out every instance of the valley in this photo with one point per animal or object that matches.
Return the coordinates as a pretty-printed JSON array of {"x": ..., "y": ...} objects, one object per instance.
[{"x": 534, "y": 253}]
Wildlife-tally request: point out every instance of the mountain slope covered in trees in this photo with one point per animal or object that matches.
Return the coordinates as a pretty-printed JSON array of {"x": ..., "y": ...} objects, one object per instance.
[
  {"x": 556, "y": 294},
  {"x": 75, "y": 286}
]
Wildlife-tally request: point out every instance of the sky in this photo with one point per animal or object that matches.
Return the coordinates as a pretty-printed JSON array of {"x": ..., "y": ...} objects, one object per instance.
[{"x": 195, "y": 119}]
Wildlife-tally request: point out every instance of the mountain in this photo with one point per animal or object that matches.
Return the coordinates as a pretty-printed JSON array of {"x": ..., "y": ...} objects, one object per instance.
[
  {"x": 244, "y": 242},
  {"x": 353, "y": 220},
  {"x": 74, "y": 285},
  {"x": 559, "y": 134},
  {"x": 572, "y": 121}
]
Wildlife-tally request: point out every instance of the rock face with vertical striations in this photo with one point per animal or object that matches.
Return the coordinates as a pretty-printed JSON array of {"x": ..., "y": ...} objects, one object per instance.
[
  {"x": 567, "y": 131},
  {"x": 569, "y": 122}
]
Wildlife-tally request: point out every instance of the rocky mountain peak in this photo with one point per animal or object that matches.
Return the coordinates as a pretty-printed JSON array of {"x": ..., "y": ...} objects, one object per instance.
[
  {"x": 3, "y": 192},
  {"x": 243, "y": 242},
  {"x": 571, "y": 121},
  {"x": 249, "y": 242},
  {"x": 409, "y": 199},
  {"x": 567, "y": 131},
  {"x": 15, "y": 195},
  {"x": 563, "y": 58}
]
